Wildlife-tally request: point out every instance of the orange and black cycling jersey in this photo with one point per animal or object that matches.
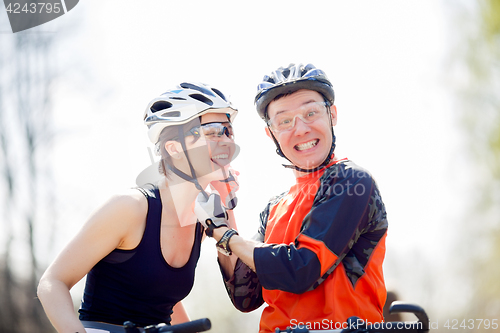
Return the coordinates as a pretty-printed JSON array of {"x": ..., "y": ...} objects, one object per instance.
[{"x": 323, "y": 253}]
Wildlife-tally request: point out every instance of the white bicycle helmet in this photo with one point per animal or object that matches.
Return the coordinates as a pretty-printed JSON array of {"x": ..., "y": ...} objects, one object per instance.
[{"x": 182, "y": 104}]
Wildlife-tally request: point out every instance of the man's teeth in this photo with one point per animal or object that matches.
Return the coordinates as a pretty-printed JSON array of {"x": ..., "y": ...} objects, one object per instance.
[
  {"x": 220, "y": 156},
  {"x": 307, "y": 145}
]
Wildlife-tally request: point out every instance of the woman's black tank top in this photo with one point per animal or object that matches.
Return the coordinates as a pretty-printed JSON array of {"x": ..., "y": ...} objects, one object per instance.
[{"x": 139, "y": 285}]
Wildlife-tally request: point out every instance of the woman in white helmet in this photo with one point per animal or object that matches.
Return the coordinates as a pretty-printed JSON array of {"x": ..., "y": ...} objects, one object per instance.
[{"x": 140, "y": 249}]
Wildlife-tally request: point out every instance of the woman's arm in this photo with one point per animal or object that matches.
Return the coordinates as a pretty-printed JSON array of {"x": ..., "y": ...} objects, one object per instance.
[
  {"x": 119, "y": 223},
  {"x": 58, "y": 305},
  {"x": 179, "y": 314}
]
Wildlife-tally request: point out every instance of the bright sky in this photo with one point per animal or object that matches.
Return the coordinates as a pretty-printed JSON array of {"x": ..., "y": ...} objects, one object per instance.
[{"x": 385, "y": 59}]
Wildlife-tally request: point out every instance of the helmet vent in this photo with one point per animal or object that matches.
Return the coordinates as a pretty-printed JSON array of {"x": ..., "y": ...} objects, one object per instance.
[
  {"x": 202, "y": 99},
  {"x": 203, "y": 90},
  {"x": 268, "y": 78},
  {"x": 286, "y": 72},
  {"x": 178, "y": 98},
  {"x": 306, "y": 69},
  {"x": 221, "y": 95},
  {"x": 171, "y": 114},
  {"x": 160, "y": 105}
]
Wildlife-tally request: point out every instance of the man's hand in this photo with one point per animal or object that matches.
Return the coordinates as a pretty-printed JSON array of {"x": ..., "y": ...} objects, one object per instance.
[
  {"x": 227, "y": 189},
  {"x": 210, "y": 212}
]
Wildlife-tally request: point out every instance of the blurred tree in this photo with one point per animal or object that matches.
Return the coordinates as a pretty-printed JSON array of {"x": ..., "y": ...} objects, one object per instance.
[
  {"x": 25, "y": 186},
  {"x": 476, "y": 79}
]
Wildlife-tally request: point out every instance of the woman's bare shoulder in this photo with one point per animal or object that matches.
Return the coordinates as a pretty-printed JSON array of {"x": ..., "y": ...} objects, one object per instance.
[{"x": 129, "y": 205}]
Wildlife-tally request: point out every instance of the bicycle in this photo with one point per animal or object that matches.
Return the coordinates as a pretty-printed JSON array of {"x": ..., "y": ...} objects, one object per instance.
[
  {"x": 356, "y": 325},
  {"x": 352, "y": 325}
]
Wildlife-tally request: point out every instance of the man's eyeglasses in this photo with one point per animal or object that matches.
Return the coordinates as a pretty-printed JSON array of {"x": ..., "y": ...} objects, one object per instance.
[
  {"x": 285, "y": 121},
  {"x": 212, "y": 131}
]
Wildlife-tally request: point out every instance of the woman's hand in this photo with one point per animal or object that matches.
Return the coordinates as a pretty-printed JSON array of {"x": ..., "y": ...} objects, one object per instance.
[{"x": 210, "y": 213}]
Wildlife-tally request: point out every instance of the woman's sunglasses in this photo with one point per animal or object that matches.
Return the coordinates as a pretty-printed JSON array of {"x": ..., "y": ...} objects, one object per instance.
[{"x": 212, "y": 131}]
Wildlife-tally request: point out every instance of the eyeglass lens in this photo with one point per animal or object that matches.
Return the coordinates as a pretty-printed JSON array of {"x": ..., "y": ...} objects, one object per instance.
[{"x": 308, "y": 113}]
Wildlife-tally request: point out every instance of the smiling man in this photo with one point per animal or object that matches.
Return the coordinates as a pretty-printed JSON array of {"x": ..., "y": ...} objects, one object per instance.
[{"x": 318, "y": 254}]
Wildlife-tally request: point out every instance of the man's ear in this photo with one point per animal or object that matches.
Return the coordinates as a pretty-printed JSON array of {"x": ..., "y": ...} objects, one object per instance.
[
  {"x": 174, "y": 149},
  {"x": 268, "y": 132},
  {"x": 333, "y": 111}
]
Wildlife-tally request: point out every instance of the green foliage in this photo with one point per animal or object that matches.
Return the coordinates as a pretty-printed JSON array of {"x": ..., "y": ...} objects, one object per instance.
[
  {"x": 490, "y": 12},
  {"x": 477, "y": 88}
]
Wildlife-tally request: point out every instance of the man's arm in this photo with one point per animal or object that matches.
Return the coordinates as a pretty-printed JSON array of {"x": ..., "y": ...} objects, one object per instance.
[
  {"x": 242, "y": 286},
  {"x": 241, "y": 282},
  {"x": 334, "y": 224},
  {"x": 226, "y": 263},
  {"x": 241, "y": 247}
]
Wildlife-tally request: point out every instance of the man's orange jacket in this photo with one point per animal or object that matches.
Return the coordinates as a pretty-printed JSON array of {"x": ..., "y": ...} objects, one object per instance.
[{"x": 321, "y": 261}]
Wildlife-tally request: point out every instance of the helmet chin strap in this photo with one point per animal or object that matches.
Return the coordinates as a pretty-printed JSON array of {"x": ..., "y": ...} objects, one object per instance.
[
  {"x": 293, "y": 166},
  {"x": 193, "y": 179}
]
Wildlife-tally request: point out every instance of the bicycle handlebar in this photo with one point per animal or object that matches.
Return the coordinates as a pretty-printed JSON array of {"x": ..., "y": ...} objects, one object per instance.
[
  {"x": 354, "y": 324},
  {"x": 199, "y": 325},
  {"x": 401, "y": 307}
]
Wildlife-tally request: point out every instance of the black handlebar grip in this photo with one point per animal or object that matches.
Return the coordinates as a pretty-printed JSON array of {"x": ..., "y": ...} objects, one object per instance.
[
  {"x": 199, "y": 325},
  {"x": 130, "y": 327}
]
